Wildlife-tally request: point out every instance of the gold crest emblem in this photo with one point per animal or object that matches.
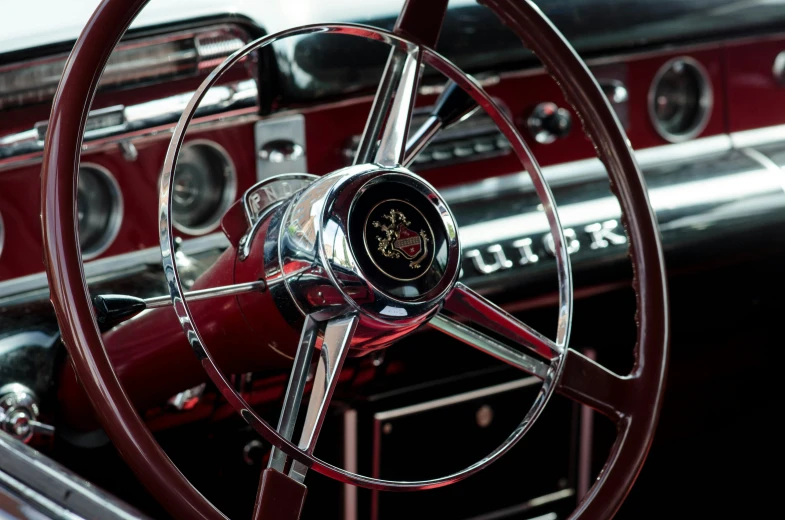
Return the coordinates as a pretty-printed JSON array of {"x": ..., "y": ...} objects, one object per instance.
[{"x": 399, "y": 240}]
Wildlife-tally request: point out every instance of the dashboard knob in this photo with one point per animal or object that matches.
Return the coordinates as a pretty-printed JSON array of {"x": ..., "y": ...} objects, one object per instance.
[
  {"x": 19, "y": 413},
  {"x": 549, "y": 122}
]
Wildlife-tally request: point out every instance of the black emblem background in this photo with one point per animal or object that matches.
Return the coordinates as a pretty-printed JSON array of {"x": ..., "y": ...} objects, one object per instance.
[
  {"x": 398, "y": 268},
  {"x": 394, "y": 275}
]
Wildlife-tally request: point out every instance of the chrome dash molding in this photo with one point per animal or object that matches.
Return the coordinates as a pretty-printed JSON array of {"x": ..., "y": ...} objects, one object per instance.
[
  {"x": 114, "y": 265},
  {"x": 132, "y": 119},
  {"x": 472, "y": 236}
]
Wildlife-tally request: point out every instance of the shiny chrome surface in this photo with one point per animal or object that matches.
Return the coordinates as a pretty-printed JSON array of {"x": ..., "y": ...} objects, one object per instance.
[
  {"x": 338, "y": 335},
  {"x": 725, "y": 201},
  {"x": 468, "y": 304},
  {"x": 420, "y": 139},
  {"x": 152, "y": 59},
  {"x": 55, "y": 489},
  {"x": 391, "y": 148},
  {"x": 206, "y": 294},
  {"x": 490, "y": 346},
  {"x": 315, "y": 253},
  {"x": 267, "y": 192},
  {"x": 19, "y": 411},
  {"x": 280, "y": 146},
  {"x": 549, "y": 122},
  {"x": 118, "y": 124},
  {"x": 705, "y": 101},
  {"x": 295, "y": 389},
  {"x": 331, "y": 208}
]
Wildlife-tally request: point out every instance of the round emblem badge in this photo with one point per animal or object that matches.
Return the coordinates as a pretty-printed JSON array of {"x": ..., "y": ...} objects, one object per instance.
[{"x": 399, "y": 240}]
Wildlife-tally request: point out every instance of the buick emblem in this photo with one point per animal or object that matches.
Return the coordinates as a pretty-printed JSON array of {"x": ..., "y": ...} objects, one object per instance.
[{"x": 399, "y": 240}]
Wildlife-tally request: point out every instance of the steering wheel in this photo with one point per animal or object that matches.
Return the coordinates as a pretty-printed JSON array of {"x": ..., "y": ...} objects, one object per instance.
[{"x": 362, "y": 257}]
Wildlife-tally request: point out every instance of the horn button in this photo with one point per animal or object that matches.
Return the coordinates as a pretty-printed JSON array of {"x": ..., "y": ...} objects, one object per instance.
[
  {"x": 399, "y": 240},
  {"x": 365, "y": 238}
]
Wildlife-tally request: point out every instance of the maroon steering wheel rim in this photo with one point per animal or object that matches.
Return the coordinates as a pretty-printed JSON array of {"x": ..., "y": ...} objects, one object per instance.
[{"x": 70, "y": 297}]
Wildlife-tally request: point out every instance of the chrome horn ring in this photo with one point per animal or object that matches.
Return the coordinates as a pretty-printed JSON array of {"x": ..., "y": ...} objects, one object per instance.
[{"x": 548, "y": 373}]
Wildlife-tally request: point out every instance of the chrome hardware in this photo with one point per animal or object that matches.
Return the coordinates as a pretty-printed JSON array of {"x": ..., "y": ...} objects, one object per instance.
[
  {"x": 252, "y": 452},
  {"x": 264, "y": 196},
  {"x": 618, "y": 97},
  {"x": 211, "y": 292},
  {"x": 335, "y": 346},
  {"x": 280, "y": 151},
  {"x": 19, "y": 413},
  {"x": 603, "y": 235},
  {"x": 615, "y": 91},
  {"x": 524, "y": 247},
  {"x": 500, "y": 260},
  {"x": 549, "y": 122},
  {"x": 115, "y": 122},
  {"x": 265, "y": 193},
  {"x": 778, "y": 68},
  {"x": 280, "y": 145},
  {"x": 129, "y": 151},
  {"x": 573, "y": 245},
  {"x": 157, "y": 59}
]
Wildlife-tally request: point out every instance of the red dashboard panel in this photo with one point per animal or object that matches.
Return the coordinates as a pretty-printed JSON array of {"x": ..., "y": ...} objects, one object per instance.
[
  {"x": 756, "y": 97},
  {"x": 743, "y": 89}
]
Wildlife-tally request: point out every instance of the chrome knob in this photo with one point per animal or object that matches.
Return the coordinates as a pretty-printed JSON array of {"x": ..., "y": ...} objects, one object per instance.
[
  {"x": 280, "y": 151},
  {"x": 18, "y": 411},
  {"x": 548, "y": 122}
]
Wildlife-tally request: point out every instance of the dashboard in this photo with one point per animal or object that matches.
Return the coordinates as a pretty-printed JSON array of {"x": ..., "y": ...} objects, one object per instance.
[{"x": 696, "y": 98}]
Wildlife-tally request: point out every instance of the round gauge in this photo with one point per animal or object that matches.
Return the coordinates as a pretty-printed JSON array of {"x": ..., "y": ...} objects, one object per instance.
[
  {"x": 99, "y": 209},
  {"x": 204, "y": 187},
  {"x": 680, "y": 99}
]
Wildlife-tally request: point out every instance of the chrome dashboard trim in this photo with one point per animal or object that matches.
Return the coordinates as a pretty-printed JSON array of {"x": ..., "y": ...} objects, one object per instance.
[
  {"x": 589, "y": 169},
  {"x": 131, "y": 122},
  {"x": 56, "y": 488},
  {"x": 113, "y": 266},
  {"x": 758, "y": 136},
  {"x": 557, "y": 175}
]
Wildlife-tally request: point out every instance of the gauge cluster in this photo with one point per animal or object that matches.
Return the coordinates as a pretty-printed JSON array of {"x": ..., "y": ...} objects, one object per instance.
[
  {"x": 680, "y": 99},
  {"x": 99, "y": 209},
  {"x": 205, "y": 185}
]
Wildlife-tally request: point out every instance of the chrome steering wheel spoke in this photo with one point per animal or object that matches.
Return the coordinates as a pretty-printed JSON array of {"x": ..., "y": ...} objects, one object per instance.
[
  {"x": 490, "y": 346},
  {"x": 467, "y": 304},
  {"x": 391, "y": 113},
  {"x": 336, "y": 341}
]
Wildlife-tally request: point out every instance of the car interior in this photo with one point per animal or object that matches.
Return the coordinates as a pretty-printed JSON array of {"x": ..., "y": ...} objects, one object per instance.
[{"x": 345, "y": 259}]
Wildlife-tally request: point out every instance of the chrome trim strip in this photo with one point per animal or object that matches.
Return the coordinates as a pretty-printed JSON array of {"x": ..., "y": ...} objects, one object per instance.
[
  {"x": 758, "y": 136},
  {"x": 115, "y": 265},
  {"x": 133, "y": 119},
  {"x": 206, "y": 294},
  {"x": 350, "y": 458},
  {"x": 56, "y": 483},
  {"x": 529, "y": 504},
  {"x": 455, "y": 399},
  {"x": 560, "y": 174},
  {"x": 767, "y": 163},
  {"x": 694, "y": 193},
  {"x": 591, "y": 169}
]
